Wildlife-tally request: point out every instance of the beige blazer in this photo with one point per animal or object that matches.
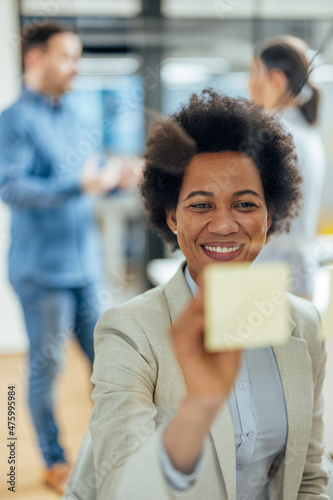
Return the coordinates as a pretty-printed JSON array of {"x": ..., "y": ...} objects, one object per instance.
[{"x": 139, "y": 385}]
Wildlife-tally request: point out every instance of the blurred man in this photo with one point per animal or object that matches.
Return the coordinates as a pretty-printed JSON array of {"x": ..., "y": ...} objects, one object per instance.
[{"x": 55, "y": 262}]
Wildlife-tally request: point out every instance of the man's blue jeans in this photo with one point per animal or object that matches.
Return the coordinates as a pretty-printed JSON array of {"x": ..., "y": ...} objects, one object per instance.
[{"x": 51, "y": 315}]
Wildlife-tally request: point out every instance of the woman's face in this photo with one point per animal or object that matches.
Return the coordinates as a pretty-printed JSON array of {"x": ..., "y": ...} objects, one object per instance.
[
  {"x": 258, "y": 81},
  {"x": 221, "y": 214},
  {"x": 266, "y": 87}
]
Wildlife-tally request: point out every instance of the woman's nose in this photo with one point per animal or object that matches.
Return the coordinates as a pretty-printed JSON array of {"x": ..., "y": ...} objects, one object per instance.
[{"x": 223, "y": 221}]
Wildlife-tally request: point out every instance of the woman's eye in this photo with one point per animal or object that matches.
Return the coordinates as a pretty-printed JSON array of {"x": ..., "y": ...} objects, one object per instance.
[
  {"x": 200, "y": 205},
  {"x": 246, "y": 205}
]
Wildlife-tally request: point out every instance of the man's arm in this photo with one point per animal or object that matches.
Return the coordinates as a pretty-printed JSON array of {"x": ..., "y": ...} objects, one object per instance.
[{"x": 18, "y": 186}]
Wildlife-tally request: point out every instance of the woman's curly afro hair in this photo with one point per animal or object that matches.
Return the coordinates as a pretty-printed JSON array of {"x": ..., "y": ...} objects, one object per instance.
[{"x": 215, "y": 123}]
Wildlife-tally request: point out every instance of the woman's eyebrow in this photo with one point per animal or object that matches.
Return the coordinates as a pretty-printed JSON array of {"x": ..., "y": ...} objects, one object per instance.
[
  {"x": 195, "y": 193},
  {"x": 247, "y": 191}
]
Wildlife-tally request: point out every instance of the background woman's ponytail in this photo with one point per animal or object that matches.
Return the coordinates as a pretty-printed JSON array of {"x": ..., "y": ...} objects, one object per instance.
[{"x": 309, "y": 108}]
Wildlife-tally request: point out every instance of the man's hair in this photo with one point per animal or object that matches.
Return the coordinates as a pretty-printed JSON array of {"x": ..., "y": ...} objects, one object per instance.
[
  {"x": 36, "y": 35},
  {"x": 215, "y": 123}
]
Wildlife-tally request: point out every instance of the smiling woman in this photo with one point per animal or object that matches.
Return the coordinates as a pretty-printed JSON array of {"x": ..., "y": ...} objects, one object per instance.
[{"x": 220, "y": 176}]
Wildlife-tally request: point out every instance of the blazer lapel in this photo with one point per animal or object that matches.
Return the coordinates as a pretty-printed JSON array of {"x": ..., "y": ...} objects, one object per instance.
[
  {"x": 222, "y": 432},
  {"x": 294, "y": 365},
  {"x": 178, "y": 295}
]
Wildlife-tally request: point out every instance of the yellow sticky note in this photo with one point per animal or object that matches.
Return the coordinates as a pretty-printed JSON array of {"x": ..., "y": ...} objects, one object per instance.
[
  {"x": 326, "y": 330},
  {"x": 245, "y": 306}
]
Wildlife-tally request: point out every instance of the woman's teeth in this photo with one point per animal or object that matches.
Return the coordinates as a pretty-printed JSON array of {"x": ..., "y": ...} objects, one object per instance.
[{"x": 222, "y": 249}]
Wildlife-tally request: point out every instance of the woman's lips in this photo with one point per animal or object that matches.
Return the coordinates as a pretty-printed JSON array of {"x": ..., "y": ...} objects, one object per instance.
[{"x": 223, "y": 252}]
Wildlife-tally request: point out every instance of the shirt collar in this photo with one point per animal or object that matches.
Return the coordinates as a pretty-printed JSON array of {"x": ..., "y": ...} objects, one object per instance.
[
  {"x": 41, "y": 98},
  {"x": 190, "y": 281}
]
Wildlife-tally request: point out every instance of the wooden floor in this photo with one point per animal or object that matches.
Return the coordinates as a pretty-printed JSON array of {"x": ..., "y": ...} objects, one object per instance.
[{"x": 73, "y": 392}]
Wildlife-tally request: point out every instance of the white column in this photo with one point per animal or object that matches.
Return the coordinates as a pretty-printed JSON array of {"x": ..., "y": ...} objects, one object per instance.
[
  {"x": 12, "y": 331},
  {"x": 10, "y": 56}
]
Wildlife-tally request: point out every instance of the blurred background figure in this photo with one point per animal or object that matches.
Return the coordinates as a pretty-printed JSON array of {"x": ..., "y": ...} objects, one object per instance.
[
  {"x": 280, "y": 81},
  {"x": 55, "y": 262}
]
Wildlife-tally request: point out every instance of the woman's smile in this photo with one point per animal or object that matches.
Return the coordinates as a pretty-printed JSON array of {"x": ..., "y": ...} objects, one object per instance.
[{"x": 222, "y": 251}]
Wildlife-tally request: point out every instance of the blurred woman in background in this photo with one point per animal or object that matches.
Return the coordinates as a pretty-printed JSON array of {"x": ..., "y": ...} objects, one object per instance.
[{"x": 279, "y": 81}]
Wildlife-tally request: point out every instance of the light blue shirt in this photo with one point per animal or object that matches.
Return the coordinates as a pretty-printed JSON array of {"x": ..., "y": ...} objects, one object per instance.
[
  {"x": 258, "y": 413},
  {"x": 54, "y": 237}
]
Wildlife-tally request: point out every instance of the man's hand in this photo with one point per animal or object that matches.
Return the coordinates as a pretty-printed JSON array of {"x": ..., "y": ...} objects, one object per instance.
[
  {"x": 95, "y": 180},
  {"x": 121, "y": 172},
  {"x": 131, "y": 172}
]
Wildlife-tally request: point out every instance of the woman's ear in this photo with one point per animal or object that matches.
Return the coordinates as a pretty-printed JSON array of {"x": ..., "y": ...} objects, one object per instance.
[
  {"x": 171, "y": 220},
  {"x": 269, "y": 219},
  {"x": 278, "y": 79}
]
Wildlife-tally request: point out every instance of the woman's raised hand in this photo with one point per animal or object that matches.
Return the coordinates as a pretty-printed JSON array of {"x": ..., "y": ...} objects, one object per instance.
[
  {"x": 209, "y": 379},
  {"x": 207, "y": 374}
]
